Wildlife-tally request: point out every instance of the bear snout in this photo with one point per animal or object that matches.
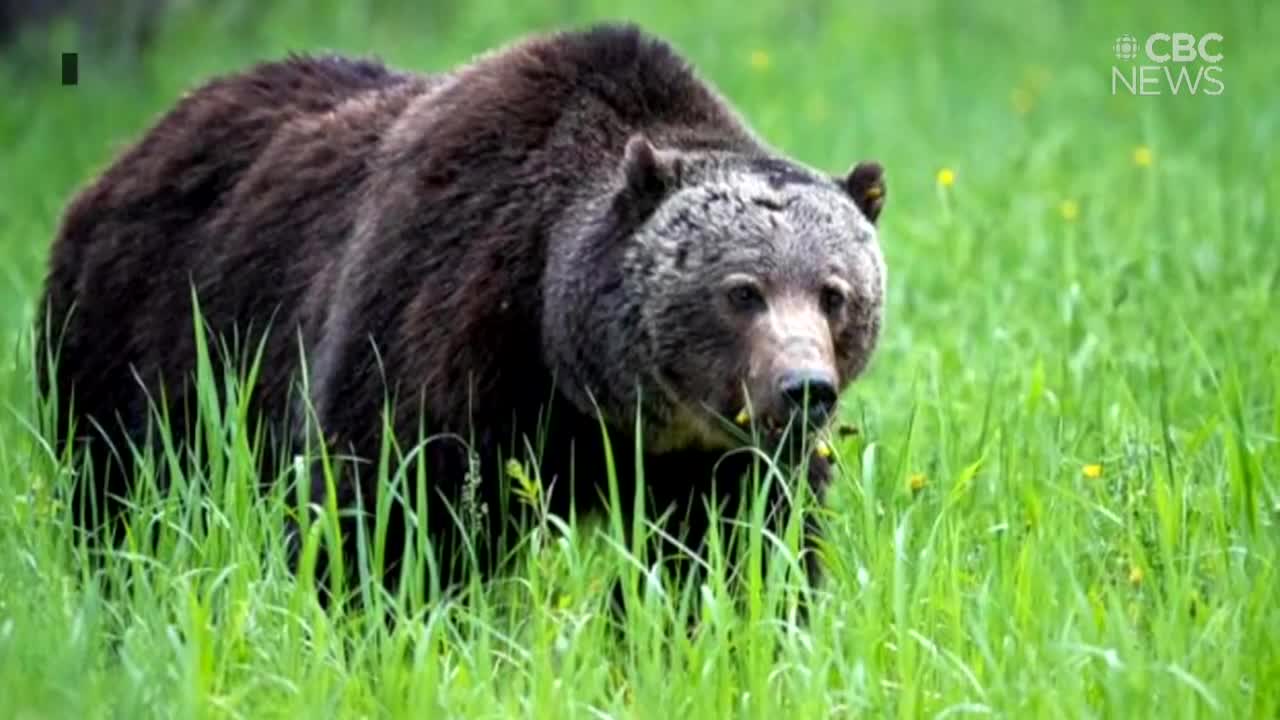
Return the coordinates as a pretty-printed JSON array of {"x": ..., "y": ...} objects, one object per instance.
[{"x": 809, "y": 391}]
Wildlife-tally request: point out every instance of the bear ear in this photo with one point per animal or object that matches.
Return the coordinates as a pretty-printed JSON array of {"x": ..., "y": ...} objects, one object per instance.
[
  {"x": 649, "y": 172},
  {"x": 865, "y": 184}
]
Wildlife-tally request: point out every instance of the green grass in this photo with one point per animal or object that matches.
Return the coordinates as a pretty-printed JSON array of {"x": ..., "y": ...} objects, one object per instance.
[{"x": 1058, "y": 307}]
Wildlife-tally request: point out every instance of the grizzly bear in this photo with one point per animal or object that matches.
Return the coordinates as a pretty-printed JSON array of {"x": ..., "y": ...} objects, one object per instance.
[{"x": 570, "y": 251}]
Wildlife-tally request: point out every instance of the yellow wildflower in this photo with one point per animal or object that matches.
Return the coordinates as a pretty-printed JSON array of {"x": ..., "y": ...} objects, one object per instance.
[
  {"x": 946, "y": 177},
  {"x": 916, "y": 482},
  {"x": 1135, "y": 575},
  {"x": 760, "y": 60},
  {"x": 1092, "y": 471},
  {"x": 1142, "y": 156},
  {"x": 1069, "y": 209},
  {"x": 824, "y": 449}
]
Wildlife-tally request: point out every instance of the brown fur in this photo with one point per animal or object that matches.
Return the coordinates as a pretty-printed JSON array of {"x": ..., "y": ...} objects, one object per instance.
[{"x": 402, "y": 230}]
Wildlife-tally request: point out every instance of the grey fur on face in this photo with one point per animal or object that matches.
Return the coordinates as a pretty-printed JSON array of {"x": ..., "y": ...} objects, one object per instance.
[{"x": 792, "y": 234}]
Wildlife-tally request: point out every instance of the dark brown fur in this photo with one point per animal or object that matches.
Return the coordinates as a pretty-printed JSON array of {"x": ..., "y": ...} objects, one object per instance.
[
  {"x": 188, "y": 206},
  {"x": 354, "y": 208}
]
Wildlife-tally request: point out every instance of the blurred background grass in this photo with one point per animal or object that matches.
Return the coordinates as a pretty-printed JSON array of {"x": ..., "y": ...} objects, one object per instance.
[
  {"x": 1075, "y": 413},
  {"x": 1011, "y": 96}
]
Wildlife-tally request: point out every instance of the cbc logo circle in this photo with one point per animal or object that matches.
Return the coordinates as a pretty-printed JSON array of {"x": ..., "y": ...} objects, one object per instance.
[{"x": 1126, "y": 47}]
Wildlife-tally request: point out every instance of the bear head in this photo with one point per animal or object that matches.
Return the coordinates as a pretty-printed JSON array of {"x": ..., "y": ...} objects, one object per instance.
[{"x": 730, "y": 298}]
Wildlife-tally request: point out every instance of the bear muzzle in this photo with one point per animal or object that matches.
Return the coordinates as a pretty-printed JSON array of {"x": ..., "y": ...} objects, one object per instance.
[
  {"x": 810, "y": 393},
  {"x": 792, "y": 404}
]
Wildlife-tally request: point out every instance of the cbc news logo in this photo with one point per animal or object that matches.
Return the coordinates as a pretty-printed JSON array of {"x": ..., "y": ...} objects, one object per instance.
[
  {"x": 1168, "y": 64},
  {"x": 1126, "y": 47}
]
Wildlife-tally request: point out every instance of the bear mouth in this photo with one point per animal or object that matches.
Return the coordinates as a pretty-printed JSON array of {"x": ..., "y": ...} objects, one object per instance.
[
  {"x": 790, "y": 434},
  {"x": 704, "y": 425}
]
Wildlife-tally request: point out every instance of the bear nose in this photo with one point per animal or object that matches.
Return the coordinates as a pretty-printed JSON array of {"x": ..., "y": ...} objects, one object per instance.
[{"x": 814, "y": 389}]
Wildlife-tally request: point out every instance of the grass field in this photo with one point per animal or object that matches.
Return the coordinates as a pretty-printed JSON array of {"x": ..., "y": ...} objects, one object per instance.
[{"x": 1064, "y": 498}]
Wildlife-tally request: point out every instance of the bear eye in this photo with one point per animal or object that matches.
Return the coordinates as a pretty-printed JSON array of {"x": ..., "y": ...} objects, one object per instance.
[
  {"x": 746, "y": 297},
  {"x": 832, "y": 300}
]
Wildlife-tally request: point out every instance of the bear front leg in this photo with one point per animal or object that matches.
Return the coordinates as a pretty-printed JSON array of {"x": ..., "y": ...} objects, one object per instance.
[
  {"x": 817, "y": 474},
  {"x": 674, "y": 545},
  {"x": 819, "y": 477},
  {"x": 738, "y": 513},
  {"x": 678, "y": 509},
  {"x": 454, "y": 526}
]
